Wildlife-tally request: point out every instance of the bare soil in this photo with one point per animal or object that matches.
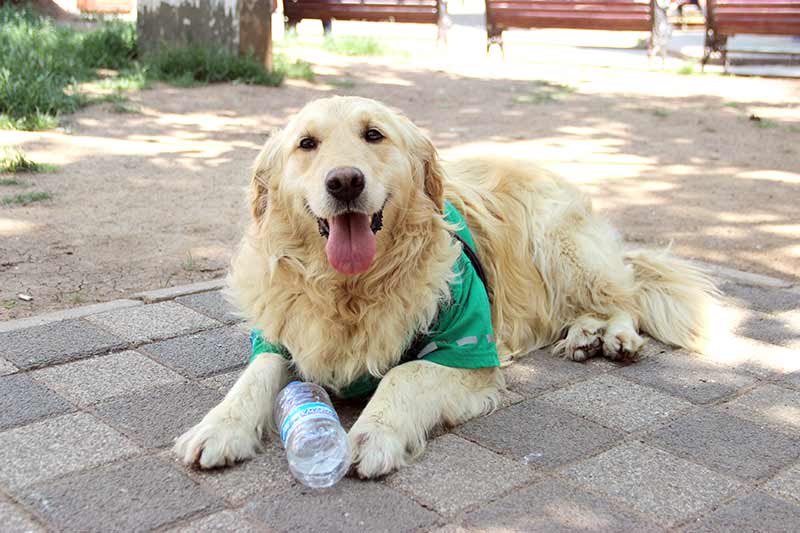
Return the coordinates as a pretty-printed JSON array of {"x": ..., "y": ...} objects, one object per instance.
[{"x": 156, "y": 198}]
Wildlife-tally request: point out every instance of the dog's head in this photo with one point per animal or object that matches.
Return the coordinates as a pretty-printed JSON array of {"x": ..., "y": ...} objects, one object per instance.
[{"x": 345, "y": 167}]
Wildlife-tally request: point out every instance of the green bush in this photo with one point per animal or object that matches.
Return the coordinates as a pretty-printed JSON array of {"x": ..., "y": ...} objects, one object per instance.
[
  {"x": 353, "y": 45},
  {"x": 197, "y": 64},
  {"x": 39, "y": 63},
  {"x": 42, "y": 63},
  {"x": 113, "y": 46}
]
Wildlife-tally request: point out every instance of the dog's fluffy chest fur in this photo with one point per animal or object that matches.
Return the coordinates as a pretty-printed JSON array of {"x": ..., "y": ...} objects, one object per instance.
[{"x": 338, "y": 329}]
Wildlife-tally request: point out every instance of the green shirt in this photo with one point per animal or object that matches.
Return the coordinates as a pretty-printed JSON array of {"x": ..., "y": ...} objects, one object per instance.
[{"x": 461, "y": 336}]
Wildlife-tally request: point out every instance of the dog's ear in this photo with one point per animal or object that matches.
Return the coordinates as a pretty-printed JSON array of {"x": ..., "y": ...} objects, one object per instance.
[
  {"x": 427, "y": 161},
  {"x": 267, "y": 164},
  {"x": 434, "y": 176}
]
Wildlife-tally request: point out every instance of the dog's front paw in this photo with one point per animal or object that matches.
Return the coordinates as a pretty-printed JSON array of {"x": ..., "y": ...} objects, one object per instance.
[
  {"x": 377, "y": 449},
  {"x": 213, "y": 443},
  {"x": 622, "y": 344}
]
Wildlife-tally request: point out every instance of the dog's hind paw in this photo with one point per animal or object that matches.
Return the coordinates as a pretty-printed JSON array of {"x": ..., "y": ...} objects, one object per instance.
[
  {"x": 376, "y": 450},
  {"x": 217, "y": 443}
]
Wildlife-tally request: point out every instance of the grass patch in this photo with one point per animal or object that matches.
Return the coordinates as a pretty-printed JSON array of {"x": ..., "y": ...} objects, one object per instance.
[
  {"x": 297, "y": 69},
  {"x": 199, "y": 65},
  {"x": 794, "y": 129},
  {"x": 10, "y": 181},
  {"x": 34, "y": 122},
  {"x": 353, "y": 45},
  {"x": 188, "y": 263},
  {"x": 25, "y": 198},
  {"x": 9, "y": 304},
  {"x": 123, "y": 108},
  {"x": 115, "y": 97},
  {"x": 661, "y": 112},
  {"x": 343, "y": 83},
  {"x": 763, "y": 123},
  {"x": 544, "y": 92},
  {"x": 687, "y": 69},
  {"x": 14, "y": 161},
  {"x": 735, "y": 105}
]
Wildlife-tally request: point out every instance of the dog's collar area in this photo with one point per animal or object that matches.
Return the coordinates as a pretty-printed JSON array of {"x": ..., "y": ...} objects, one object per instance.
[{"x": 376, "y": 225}]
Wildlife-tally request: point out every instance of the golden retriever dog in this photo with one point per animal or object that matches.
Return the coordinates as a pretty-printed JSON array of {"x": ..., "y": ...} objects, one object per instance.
[{"x": 349, "y": 257}]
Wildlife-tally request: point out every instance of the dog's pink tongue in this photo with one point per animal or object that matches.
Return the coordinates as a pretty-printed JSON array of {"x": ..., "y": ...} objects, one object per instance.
[{"x": 351, "y": 243}]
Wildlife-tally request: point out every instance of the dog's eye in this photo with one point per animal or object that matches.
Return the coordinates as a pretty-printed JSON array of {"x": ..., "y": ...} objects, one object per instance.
[
  {"x": 372, "y": 135},
  {"x": 308, "y": 143}
]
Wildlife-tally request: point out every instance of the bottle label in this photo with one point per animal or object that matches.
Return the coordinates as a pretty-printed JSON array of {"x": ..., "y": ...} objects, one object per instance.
[{"x": 307, "y": 411}]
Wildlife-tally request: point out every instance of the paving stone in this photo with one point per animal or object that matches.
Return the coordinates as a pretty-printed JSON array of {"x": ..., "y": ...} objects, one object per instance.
[
  {"x": 755, "y": 512},
  {"x": 152, "y": 322},
  {"x": 652, "y": 482},
  {"x": 170, "y": 293},
  {"x": 617, "y": 403},
  {"x": 553, "y": 505},
  {"x": 782, "y": 329},
  {"x": 265, "y": 475},
  {"x": 538, "y": 434},
  {"x": 154, "y": 418},
  {"x": 66, "y": 314},
  {"x": 728, "y": 444},
  {"x": 136, "y": 495},
  {"x": 15, "y": 520},
  {"x": 787, "y": 483},
  {"x": 793, "y": 378},
  {"x": 688, "y": 376},
  {"x": 211, "y": 304},
  {"x": 233, "y": 521},
  {"x": 222, "y": 382},
  {"x": 454, "y": 473},
  {"x": 767, "y": 361},
  {"x": 205, "y": 353},
  {"x": 765, "y": 299},
  {"x": 350, "y": 506},
  {"x": 53, "y": 447},
  {"x": 541, "y": 371},
  {"x": 23, "y": 400},
  {"x": 6, "y": 368},
  {"x": 100, "y": 378},
  {"x": 56, "y": 342},
  {"x": 768, "y": 403}
]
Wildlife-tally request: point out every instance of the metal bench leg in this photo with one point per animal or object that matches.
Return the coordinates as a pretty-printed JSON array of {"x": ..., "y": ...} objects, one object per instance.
[
  {"x": 327, "y": 26},
  {"x": 494, "y": 36},
  {"x": 443, "y": 24}
]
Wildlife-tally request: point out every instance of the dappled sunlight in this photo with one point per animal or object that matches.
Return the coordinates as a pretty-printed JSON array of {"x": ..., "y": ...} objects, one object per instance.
[
  {"x": 727, "y": 346},
  {"x": 15, "y": 227},
  {"x": 770, "y": 175}
]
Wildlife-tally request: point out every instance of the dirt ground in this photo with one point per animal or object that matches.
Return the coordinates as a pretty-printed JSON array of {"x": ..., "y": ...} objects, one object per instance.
[{"x": 156, "y": 198}]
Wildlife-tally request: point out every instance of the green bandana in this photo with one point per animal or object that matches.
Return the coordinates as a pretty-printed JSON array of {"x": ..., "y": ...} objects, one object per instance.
[{"x": 461, "y": 337}]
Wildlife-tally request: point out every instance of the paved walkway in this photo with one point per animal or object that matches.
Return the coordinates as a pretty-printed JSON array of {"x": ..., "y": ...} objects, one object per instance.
[{"x": 91, "y": 399}]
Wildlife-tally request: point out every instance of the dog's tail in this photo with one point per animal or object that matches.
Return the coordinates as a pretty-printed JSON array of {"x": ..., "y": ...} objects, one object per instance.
[{"x": 674, "y": 298}]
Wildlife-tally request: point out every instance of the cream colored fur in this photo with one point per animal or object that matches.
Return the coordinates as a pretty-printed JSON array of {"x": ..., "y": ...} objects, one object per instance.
[{"x": 556, "y": 273}]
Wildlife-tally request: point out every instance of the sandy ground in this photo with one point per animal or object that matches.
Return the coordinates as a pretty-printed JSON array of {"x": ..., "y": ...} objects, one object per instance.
[{"x": 155, "y": 198}]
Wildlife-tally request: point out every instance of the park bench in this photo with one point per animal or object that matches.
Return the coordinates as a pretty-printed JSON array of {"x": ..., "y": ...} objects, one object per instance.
[
  {"x": 614, "y": 15},
  {"x": 726, "y": 18},
  {"x": 409, "y": 11}
]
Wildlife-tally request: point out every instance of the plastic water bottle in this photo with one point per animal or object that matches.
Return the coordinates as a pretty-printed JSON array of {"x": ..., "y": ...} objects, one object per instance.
[{"x": 315, "y": 442}]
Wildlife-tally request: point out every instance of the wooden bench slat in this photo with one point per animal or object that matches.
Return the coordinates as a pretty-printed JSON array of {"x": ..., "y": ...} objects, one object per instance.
[{"x": 599, "y": 8}]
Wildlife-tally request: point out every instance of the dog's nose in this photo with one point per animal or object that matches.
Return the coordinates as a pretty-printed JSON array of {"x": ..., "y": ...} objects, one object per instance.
[{"x": 344, "y": 183}]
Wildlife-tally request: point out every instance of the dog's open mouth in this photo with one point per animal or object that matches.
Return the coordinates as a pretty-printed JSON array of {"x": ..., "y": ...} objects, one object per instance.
[{"x": 351, "y": 240}]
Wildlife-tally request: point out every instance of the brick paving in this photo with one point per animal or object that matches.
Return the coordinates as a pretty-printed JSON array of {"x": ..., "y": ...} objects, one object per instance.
[{"x": 90, "y": 403}]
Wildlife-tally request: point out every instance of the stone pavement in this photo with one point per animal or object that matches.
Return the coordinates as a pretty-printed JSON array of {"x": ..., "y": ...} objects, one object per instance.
[{"x": 90, "y": 400}]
